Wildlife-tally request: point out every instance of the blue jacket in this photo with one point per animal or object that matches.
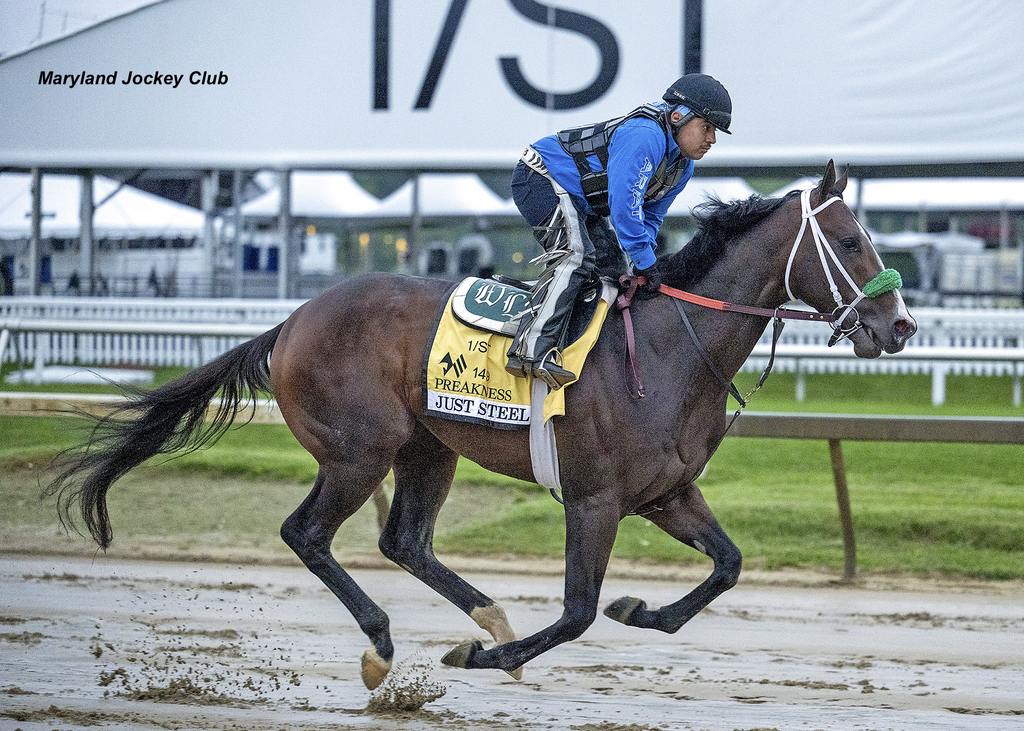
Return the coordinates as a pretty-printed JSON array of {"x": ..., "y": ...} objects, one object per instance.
[{"x": 635, "y": 151}]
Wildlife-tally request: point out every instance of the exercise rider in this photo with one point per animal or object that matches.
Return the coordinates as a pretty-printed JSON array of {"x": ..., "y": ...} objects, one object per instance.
[{"x": 624, "y": 171}]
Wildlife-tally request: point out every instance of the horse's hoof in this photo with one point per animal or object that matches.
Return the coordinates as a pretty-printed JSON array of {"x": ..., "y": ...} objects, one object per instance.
[
  {"x": 622, "y": 608},
  {"x": 517, "y": 674},
  {"x": 374, "y": 669},
  {"x": 461, "y": 655}
]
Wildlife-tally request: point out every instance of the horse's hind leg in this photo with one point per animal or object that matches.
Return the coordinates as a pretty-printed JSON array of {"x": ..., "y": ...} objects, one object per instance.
[
  {"x": 590, "y": 527},
  {"x": 424, "y": 469},
  {"x": 686, "y": 518},
  {"x": 340, "y": 489}
]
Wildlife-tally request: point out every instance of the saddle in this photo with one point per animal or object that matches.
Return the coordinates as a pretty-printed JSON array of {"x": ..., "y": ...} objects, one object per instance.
[
  {"x": 495, "y": 305},
  {"x": 464, "y": 375}
]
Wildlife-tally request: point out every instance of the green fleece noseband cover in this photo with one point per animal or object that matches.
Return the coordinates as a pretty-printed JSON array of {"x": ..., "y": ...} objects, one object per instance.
[{"x": 885, "y": 281}]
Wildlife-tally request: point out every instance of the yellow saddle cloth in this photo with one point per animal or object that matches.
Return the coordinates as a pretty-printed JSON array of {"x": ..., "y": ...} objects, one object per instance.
[{"x": 464, "y": 376}]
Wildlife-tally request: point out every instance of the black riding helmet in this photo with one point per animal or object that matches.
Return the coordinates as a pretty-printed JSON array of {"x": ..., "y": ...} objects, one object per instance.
[{"x": 705, "y": 96}]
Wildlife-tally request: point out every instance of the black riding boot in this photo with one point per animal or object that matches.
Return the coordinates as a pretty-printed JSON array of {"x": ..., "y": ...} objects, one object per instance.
[{"x": 546, "y": 360}]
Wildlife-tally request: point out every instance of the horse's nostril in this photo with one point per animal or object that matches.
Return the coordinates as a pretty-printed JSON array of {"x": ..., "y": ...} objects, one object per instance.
[{"x": 903, "y": 329}]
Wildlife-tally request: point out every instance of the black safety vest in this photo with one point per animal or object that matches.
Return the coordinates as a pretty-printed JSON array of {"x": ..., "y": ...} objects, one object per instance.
[{"x": 594, "y": 139}]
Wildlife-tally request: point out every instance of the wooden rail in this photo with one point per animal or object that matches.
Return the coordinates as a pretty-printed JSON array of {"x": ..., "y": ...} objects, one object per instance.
[
  {"x": 18, "y": 403},
  {"x": 874, "y": 428},
  {"x": 834, "y": 428}
]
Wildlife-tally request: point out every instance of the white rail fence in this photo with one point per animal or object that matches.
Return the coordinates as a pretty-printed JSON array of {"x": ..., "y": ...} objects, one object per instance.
[
  {"x": 161, "y": 332},
  {"x": 157, "y": 309}
]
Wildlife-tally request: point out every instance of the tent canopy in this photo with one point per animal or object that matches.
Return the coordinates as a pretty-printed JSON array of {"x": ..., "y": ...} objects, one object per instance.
[
  {"x": 453, "y": 195},
  {"x": 700, "y": 189},
  {"x": 129, "y": 212},
  {"x": 316, "y": 194},
  {"x": 947, "y": 242},
  {"x": 441, "y": 195},
  {"x": 936, "y": 194}
]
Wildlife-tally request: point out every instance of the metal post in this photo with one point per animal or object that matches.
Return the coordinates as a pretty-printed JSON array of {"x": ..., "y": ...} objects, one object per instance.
[
  {"x": 845, "y": 514},
  {"x": 236, "y": 243},
  {"x": 35, "y": 241},
  {"x": 284, "y": 227},
  {"x": 939, "y": 384},
  {"x": 86, "y": 241},
  {"x": 1020, "y": 267},
  {"x": 208, "y": 187},
  {"x": 1004, "y": 228},
  {"x": 41, "y": 341},
  {"x": 693, "y": 33},
  {"x": 415, "y": 224}
]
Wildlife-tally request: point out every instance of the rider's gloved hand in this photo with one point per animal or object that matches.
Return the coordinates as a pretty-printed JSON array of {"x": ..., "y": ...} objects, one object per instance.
[{"x": 653, "y": 275}]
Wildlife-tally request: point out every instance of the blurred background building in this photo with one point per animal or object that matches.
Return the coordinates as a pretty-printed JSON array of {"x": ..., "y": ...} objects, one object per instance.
[{"x": 309, "y": 142}]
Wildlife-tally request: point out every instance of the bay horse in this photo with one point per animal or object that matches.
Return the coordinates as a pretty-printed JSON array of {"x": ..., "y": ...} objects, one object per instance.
[{"x": 345, "y": 370}]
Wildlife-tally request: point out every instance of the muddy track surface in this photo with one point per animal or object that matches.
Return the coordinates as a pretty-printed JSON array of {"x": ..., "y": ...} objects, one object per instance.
[{"x": 140, "y": 645}]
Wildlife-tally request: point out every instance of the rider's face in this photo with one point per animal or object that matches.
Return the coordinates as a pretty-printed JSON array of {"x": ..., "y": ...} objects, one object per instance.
[{"x": 695, "y": 138}]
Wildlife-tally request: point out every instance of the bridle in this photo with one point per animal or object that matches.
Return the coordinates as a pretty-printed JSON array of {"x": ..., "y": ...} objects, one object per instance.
[
  {"x": 886, "y": 280},
  {"x": 842, "y": 310}
]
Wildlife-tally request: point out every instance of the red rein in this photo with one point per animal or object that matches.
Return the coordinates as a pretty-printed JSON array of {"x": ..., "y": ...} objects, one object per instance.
[{"x": 629, "y": 285}]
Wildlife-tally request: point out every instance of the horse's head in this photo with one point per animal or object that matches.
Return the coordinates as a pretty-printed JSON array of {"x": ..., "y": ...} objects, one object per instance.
[{"x": 834, "y": 267}]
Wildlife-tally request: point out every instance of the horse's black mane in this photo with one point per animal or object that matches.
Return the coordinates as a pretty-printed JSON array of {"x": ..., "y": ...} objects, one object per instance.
[{"x": 718, "y": 223}]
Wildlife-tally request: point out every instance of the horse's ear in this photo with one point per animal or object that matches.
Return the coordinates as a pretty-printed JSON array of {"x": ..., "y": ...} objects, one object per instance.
[
  {"x": 828, "y": 180},
  {"x": 841, "y": 181}
]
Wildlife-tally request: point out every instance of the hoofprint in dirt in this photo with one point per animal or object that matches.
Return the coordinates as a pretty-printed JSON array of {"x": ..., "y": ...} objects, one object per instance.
[{"x": 159, "y": 645}]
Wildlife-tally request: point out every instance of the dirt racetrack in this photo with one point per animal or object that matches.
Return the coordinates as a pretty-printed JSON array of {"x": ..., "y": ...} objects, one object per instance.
[{"x": 119, "y": 644}]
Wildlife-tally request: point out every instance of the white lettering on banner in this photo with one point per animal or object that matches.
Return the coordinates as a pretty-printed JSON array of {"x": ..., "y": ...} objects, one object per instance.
[{"x": 477, "y": 408}]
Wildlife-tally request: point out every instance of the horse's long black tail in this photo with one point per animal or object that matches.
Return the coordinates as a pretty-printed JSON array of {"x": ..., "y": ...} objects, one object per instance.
[{"x": 171, "y": 418}]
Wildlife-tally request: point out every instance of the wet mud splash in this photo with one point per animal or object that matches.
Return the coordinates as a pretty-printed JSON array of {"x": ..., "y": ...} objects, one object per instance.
[
  {"x": 407, "y": 687},
  {"x": 189, "y": 670},
  {"x": 67, "y": 715}
]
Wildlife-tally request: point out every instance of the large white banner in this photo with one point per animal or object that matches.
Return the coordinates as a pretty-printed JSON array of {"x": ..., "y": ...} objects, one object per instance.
[{"x": 467, "y": 83}]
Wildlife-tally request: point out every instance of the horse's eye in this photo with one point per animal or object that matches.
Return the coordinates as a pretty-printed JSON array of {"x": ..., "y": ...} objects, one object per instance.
[{"x": 850, "y": 244}]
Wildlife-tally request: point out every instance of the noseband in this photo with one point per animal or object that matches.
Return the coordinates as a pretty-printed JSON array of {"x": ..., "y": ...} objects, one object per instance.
[{"x": 885, "y": 281}]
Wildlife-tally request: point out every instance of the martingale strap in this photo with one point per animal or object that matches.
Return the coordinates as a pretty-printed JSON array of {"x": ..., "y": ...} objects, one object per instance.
[
  {"x": 777, "y": 326},
  {"x": 706, "y": 357}
]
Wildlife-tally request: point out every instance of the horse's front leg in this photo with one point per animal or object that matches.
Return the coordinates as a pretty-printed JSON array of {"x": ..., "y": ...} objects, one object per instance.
[
  {"x": 686, "y": 518},
  {"x": 590, "y": 528}
]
